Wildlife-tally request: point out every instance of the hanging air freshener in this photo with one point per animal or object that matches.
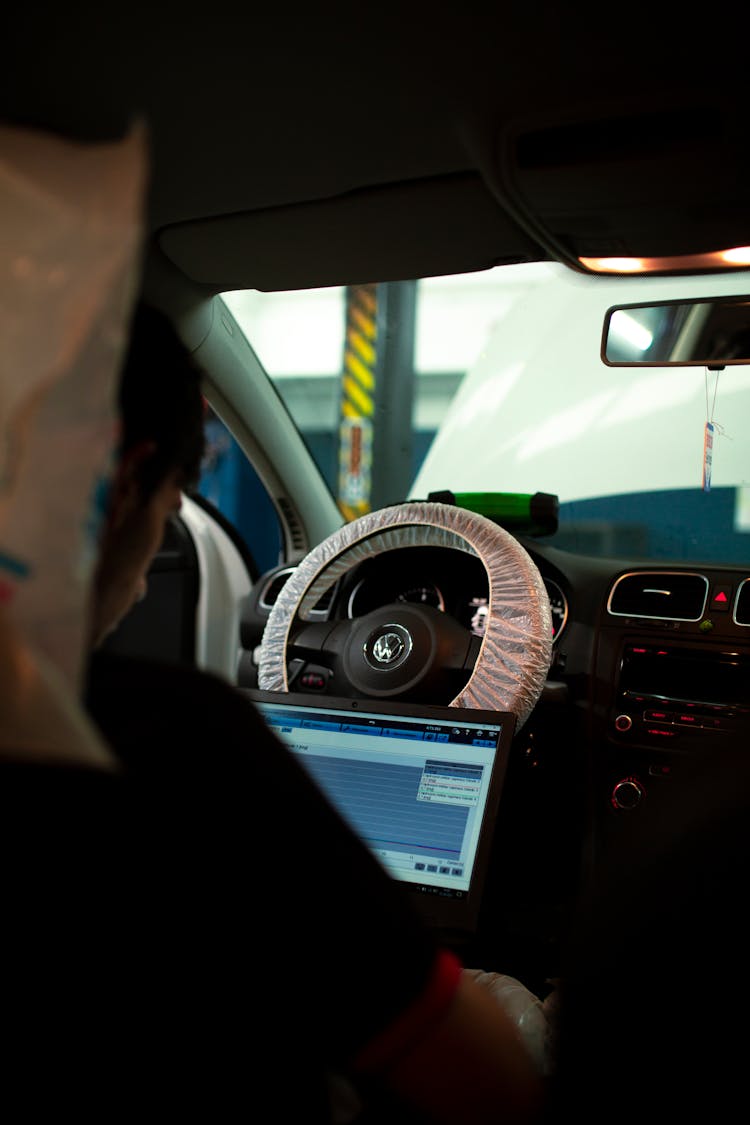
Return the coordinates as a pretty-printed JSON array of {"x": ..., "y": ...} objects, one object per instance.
[
  {"x": 708, "y": 445},
  {"x": 708, "y": 435}
]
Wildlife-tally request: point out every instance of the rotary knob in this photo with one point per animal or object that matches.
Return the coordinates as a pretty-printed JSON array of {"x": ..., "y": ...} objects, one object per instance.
[
  {"x": 623, "y": 722},
  {"x": 627, "y": 794}
]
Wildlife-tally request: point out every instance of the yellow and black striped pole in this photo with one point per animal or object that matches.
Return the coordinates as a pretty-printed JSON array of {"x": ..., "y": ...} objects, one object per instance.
[{"x": 357, "y": 408}]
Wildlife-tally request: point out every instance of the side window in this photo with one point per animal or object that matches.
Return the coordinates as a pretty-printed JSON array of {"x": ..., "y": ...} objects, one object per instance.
[{"x": 229, "y": 482}]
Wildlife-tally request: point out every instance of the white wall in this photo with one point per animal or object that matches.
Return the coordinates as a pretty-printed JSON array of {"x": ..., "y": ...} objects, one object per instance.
[{"x": 539, "y": 411}]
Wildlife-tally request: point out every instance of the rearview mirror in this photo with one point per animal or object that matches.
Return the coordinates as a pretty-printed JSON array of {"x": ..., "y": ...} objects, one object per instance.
[{"x": 709, "y": 332}]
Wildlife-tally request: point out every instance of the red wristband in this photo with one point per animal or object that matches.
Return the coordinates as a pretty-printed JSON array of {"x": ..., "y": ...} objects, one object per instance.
[{"x": 411, "y": 1024}]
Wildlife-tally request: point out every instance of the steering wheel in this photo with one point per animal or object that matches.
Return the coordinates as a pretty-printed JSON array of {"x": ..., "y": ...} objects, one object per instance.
[{"x": 408, "y": 651}]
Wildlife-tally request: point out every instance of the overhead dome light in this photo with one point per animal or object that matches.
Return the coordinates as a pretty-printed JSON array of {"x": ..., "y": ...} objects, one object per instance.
[
  {"x": 734, "y": 258},
  {"x": 615, "y": 265},
  {"x": 740, "y": 256}
]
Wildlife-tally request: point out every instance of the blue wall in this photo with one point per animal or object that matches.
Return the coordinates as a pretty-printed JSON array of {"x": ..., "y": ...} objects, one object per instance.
[{"x": 231, "y": 484}]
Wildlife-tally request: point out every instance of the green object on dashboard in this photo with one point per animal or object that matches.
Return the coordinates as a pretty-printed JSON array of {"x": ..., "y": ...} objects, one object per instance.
[{"x": 528, "y": 513}]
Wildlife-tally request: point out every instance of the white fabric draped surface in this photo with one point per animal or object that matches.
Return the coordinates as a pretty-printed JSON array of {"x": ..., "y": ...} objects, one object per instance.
[{"x": 70, "y": 231}]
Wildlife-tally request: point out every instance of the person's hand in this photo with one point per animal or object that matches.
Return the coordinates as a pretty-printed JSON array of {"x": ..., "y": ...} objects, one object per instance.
[{"x": 530, "y": 1016}]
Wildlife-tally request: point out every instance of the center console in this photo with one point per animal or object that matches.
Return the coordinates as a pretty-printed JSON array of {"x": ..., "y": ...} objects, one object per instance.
[{"x": 669, "y": 682}]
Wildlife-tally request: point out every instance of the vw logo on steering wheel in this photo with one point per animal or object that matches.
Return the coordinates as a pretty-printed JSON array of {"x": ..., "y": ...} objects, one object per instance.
[{"x": 387, "y": 647}]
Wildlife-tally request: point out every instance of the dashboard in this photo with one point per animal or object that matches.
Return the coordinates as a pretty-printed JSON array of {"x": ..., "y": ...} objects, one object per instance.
[{"x": 650, "y": 663}]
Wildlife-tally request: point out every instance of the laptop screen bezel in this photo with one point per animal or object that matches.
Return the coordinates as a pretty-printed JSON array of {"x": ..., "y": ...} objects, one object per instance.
[{"x": 453, "y": 918}]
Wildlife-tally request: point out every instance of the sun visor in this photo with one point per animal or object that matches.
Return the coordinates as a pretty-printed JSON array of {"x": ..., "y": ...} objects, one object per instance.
[{"x": 328, "y": 241}]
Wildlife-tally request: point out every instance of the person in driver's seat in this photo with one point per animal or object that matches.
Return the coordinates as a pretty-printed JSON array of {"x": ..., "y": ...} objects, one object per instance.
[
  {"x": 292, "y": 956},
  {"x": 159, "y": 455}
]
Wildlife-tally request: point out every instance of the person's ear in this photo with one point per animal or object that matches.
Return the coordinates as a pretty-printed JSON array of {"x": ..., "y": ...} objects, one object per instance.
[{"x": 125, "y": 489}]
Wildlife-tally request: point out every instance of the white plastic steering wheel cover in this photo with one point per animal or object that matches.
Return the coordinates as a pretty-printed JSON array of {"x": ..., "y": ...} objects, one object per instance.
[{"x": 516, "y": 650}]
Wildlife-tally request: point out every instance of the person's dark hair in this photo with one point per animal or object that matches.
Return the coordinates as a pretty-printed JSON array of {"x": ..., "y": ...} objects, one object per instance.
[{"x": 160, "y": 400}]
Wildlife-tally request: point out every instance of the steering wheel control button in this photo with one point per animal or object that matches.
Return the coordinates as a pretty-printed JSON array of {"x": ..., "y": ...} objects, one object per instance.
[
  {"x": 388, "y": 646},
  {"x": 314, "y": 679}
]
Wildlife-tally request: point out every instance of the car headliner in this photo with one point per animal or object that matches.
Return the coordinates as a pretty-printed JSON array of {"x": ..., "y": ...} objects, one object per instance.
[{"x": 340, "y": 145}]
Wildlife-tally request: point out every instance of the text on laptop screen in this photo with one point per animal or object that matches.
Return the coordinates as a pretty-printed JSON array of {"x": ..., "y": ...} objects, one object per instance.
[{"x": 413, "y": 788}]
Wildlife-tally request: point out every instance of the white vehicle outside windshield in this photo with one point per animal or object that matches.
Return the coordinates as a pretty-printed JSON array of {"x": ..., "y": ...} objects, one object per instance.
[
  {"x": 622, "y": 447},
  {"x": 511, "y": 395}
]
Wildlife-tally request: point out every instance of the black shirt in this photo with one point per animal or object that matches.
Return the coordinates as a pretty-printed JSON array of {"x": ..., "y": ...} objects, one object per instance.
[{"x": 297, "y": 936}]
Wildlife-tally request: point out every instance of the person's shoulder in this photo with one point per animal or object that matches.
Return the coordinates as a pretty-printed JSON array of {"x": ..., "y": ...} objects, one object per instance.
[
  {"x": 113, "y": 677},
  {"x": 141, "y": 705}
]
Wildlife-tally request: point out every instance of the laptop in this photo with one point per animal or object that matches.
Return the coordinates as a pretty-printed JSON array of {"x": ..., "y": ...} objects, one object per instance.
[{"x": 419, "y": 784}]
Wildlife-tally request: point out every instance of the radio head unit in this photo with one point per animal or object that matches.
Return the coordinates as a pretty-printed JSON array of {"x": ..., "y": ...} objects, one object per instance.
[{"x": 669, "y": 694}]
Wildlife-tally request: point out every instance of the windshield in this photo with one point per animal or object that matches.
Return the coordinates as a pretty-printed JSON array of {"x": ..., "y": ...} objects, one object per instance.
[{"x": 493, "y": 382}]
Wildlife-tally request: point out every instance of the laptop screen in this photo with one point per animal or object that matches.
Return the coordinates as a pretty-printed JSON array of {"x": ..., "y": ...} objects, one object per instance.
[{"x": 420, "y": 785}]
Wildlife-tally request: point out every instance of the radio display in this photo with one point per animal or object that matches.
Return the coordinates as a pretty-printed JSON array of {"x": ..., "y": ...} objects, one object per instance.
[{"x": 695, "y": 675}]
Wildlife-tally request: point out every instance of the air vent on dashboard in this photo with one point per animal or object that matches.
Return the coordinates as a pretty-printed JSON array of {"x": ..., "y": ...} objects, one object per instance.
[
  {"x": 665, "y": 595},
  {"x": 269, "y": 594},
  {"x": 324, "y": 601},
  {"x": 742, "y": 605}
]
